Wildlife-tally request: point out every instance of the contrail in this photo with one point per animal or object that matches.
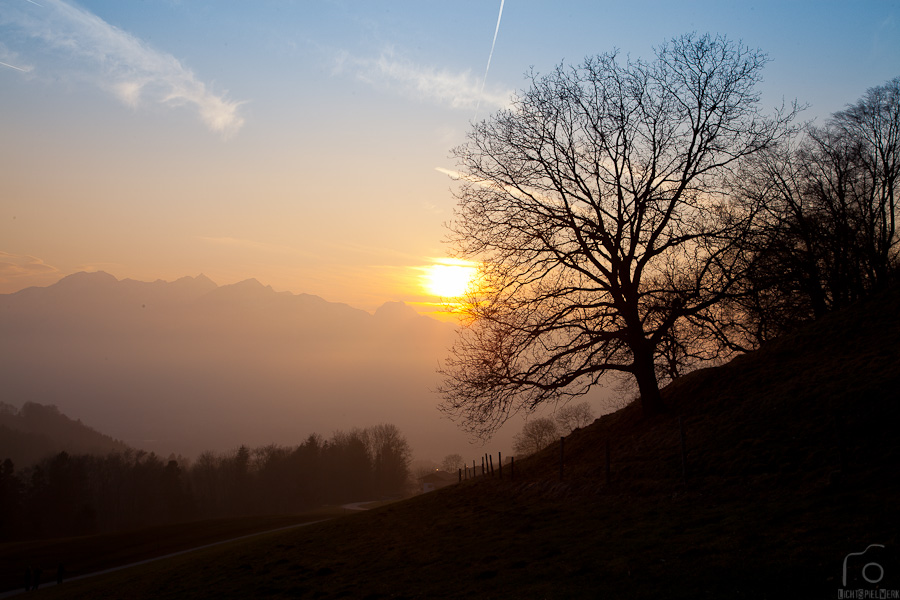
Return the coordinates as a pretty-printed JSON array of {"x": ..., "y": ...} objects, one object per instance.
[
  {"x": 490, "y": 56},
  {"x": 14, "y": 67},
  {"x": 35, "y": 3}
]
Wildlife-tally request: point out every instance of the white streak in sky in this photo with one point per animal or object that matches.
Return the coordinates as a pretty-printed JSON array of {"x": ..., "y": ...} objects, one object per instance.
[
  {"x": 15, "y": 67},
  {"x": 83, "y": 44},
  {"x": 35, "y": 3},
  {"x": 490, "y": 56}
]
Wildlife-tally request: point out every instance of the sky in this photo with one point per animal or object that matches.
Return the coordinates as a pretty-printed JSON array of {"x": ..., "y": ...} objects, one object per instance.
[{"x": 306, "y": 144}]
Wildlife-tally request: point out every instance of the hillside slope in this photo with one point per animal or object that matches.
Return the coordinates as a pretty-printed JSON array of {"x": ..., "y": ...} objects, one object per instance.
[
  {"x": 810, "y": 409},
  {"x": 792, "y": 468}
]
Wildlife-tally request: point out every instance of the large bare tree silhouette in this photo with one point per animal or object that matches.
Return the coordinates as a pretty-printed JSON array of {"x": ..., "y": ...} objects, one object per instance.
[{"x": 596, "y": 207}]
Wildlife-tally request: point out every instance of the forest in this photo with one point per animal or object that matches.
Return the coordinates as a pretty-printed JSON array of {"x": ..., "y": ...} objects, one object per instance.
[{"x": 67, "y": 495}]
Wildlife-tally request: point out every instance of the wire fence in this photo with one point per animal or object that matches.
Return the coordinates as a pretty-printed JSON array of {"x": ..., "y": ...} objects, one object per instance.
[{"x": 484, "y": 466}]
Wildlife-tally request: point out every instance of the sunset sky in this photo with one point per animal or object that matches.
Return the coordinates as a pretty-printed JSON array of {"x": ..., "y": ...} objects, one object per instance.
[{"x": 305, "y": 144}]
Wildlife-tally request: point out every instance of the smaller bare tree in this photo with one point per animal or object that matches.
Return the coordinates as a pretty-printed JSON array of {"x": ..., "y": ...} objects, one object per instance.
[
  {"x": 452, "y": 462},
  {"x": 536, "y": 435},
  {"x": 574, "y": 416}
]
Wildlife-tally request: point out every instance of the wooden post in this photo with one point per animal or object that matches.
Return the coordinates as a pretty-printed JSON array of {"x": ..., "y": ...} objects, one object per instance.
[
  {"x": 491, "y": 461},
  {"x": 607, "y": 461},
  {"x": 684, "y": 473},
  {"x": 562, "y": 453},
  {"x": 482, "y": 465},
  {"x": 500, "y": 461},
  {"x": 460, "y": 475}
]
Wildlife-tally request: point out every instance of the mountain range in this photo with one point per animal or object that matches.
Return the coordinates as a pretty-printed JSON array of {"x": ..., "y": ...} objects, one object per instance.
[{"x": 188, "y": 365}]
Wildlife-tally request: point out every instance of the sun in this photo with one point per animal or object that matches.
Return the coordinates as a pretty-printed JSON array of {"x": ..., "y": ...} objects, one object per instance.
[{"x": 448, "y": 281}]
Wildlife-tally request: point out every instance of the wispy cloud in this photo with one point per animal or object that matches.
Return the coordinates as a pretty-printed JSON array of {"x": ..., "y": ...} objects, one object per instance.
[
  {"x": 118, "y": 61},
  {"x": 19, "y": 270},
  {"x": 453, "y": 174},
  {"x": 457, "y": 90}
]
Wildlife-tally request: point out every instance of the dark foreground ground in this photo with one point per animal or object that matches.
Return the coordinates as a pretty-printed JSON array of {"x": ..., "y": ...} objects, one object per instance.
[
  {"x": 792, "y": 458},
  {"x": 90, "y": 554}
]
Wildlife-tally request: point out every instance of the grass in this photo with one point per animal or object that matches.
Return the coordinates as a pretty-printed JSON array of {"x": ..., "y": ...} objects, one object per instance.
[{"x": 792, "y": 454}]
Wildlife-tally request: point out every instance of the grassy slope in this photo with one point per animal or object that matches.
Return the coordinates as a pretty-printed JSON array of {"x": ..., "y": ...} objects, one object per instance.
[{"x": 792, "y": 455}]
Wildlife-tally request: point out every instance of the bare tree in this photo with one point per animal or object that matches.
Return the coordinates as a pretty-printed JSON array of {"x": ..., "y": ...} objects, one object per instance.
[
  {"x": 452, "y": 462},
  {"x": 574, "y": 416},
  {"x": 873, "y": 124},
  {"x": 596, "y": 207},
  {"x": 536, "y": 435}
]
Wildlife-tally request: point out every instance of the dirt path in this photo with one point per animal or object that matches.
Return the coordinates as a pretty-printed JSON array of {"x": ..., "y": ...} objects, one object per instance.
[{"x": 357, "y": 505}]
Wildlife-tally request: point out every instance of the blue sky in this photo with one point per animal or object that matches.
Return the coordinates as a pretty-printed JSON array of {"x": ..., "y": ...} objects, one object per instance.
[{"x": 299, "y": 142}]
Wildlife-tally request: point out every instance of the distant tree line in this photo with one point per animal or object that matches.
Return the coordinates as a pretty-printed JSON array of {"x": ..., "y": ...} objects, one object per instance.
[{"x": 78, "y": 494}]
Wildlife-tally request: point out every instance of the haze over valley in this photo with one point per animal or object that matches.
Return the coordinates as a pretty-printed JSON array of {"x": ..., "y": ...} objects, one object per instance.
[{"x": 188, "y": 366}]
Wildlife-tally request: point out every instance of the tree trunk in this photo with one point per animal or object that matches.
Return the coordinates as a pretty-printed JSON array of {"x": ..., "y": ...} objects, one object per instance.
[{"x": 645, "y": 374}]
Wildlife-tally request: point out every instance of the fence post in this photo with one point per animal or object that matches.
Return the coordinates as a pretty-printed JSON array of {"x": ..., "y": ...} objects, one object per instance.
[
  {"x": 460, "y": 475},
  {"x": 562, "y": 453},
  {"x": 607, "y": 461},
  {"x": 684, "y": 472},
  {"x": 491, "y": 462}
]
